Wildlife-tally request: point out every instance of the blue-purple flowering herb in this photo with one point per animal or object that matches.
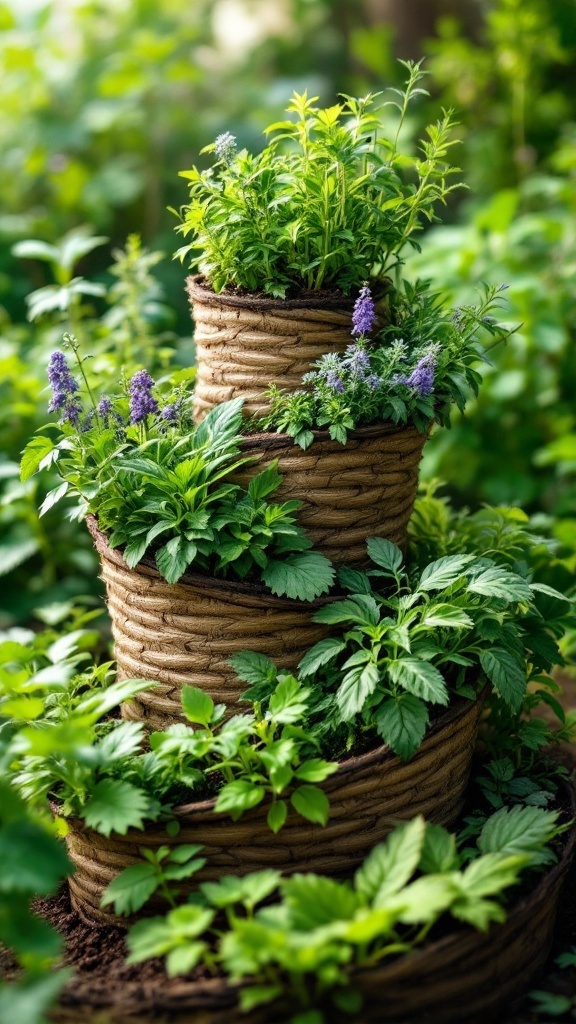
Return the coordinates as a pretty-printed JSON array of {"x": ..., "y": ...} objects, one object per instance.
[
  {"x": 364, "y": 315},
  {"x": 422, "y": 376},
  {"x": 225, "y": 147},
  {"x": 333, "y": 381},
  {"x": 142, "y": 401},
  {"x": 356, "y": 360},
  {"x": 64, "y": 386},
  {"x": 104, "y": 407},
  {"x": 171, "y": 412},
  {"x": 373, "y": 381}
]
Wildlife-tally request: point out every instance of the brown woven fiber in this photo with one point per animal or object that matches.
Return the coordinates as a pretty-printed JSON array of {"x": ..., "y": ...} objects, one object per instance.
[
  {"x": 186, "y": 633},
  {"x": 244, "y": 344},
  {"x": 368, "y": 795},
  {"x": 365, "y": 488},
  {"x": 464, "y": 977}
]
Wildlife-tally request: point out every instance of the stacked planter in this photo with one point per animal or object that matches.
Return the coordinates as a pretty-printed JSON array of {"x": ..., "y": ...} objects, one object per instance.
[{"x": 186, "y": 633}]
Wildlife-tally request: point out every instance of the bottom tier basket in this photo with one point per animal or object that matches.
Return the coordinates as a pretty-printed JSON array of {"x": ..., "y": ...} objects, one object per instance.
[
  {"x": 368, "y": 795},
  {"x": 463, "y": 977}
]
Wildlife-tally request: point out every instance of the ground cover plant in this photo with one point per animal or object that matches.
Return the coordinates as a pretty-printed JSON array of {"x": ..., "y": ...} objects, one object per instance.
[
  {"x": 420, "y": 364},
  {"x": 331, "y": 209},
  {"x": 157, "y": 483},
  {"x": 306, "y": 944}
]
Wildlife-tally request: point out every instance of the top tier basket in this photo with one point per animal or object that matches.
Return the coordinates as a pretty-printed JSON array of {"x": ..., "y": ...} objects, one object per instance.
[{"x": 246, "y": 343}]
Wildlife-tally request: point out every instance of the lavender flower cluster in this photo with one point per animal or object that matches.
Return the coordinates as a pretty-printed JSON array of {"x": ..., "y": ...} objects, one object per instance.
[
  {"x": 142, "y": 403},
  {"x": 65, "y": 390},
  {"x": 225, "y": 147}
]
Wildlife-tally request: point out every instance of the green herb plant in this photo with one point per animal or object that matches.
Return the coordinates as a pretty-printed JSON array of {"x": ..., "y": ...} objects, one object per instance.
[
  {"x": 159, "y": 484},
  {"x": 307, "y": 944},
  {"x": 409, "y": 639},
  {"x": 422, "y": 363},
  {"x": 105, "y": 772},
  {"x": 329, "y": 203}
]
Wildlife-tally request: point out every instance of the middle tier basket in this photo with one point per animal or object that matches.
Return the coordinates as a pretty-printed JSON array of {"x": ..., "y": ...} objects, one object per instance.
[{"x": 368, "y": 795}]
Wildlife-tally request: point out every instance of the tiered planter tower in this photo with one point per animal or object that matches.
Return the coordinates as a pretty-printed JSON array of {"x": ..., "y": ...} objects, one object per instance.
[{"x": 186, "y": 633}]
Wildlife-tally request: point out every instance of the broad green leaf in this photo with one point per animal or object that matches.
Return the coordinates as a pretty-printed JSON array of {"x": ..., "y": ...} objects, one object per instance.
[
  {"x": 447, "y": 615},
  {"x": 238, "y": 796},
  {"x": 402, "y": 721},
  {"x": 390, "y": 865},
  {"x": 358, "y": 684},
  {"x": 288, "y": 703},
  {"x": 360, "y": 608},
  {"x": 300, "y": 576},
  {"x": 444, "y": 572},
  {"x": 173, "y": 559},
  {"x": 439, "y": 853},
  {"x": 314, "y": 900},
  {"x": 131, "y": 889},
  {"x": 258, "y": 995},
  {"x": 252, "y": 667},
  {"x": 427, "y": 898},
  {"x": 197, "y": 705},
  {"x": 321, "y": 654},
  {"x": 499, "y": 582},
  {"x": 382, "y": 552},
  {"x": 36, "y": 450},
  {"x": 183, "y": 959},
  {"x": 33, "y": 862},
  {"x": 116, "y": 806},
  {"x": 277, "y": 815},
  {"x": 316, "y": 769},
  {"x": 311, "y": 803},
  {"x": 506, "y": 673},
  {"x": 420, "y": 678},
  {"x": 519, "y": 830}
]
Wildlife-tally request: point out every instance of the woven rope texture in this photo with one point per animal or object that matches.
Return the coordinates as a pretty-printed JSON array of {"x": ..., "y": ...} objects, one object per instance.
[
  {"x": 244, "y": 345},
  {"x": 187, "y": 632},
  {"x": 365, "y": 488}
]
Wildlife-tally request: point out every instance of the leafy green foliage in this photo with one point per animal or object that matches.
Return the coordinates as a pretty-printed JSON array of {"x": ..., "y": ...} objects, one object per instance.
[
  {"x": 159, "y": 484},
  {"x": 135, "y": 885},
  {"x": 308, "y": 943},
  {"x": 330, "y": 210},
  {"x": 409, "y": 638}
]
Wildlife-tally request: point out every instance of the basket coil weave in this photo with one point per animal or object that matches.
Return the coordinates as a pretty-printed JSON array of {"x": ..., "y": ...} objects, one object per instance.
[
  {"x": 368, "y": 795},
  {"x": 186, "y": 632},
  {"x": 244, "y": 344},
  {"x": 365, "y": 488},
  {"x": 460, "y": 978}
]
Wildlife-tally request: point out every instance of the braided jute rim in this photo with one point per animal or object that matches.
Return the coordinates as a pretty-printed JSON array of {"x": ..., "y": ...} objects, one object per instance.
[
  {"x": 457, "y": 978},
  {"x": 368, "y": 794},
  {"x": 199, "y": 291}
]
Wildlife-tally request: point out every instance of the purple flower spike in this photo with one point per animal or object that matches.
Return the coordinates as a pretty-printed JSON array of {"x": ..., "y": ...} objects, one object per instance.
[
  {"x": 64, "y": 386},
  {"x": 142, "y": 402},
  {"x": 373, "y": 381},
  {"x": 171, "y": 412},
  {"x": 104, "y": 407},
  {"x": 422, "y": 376},
  {"x": 364, "y": 315}
]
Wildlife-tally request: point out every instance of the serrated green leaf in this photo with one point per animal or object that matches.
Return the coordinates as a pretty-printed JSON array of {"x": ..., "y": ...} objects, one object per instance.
[
  {"x": 252, "y": 667},
  {"x": 402, "y": 721},
  {"x": 321, "y": 654},
  {"x": 507, "y": 675},
  {"x": 277, "y": 815},
  {"x": 420, "y": 678},
  {"x": 236, "y": 797},
  {"x": 358, "y": 684},
  {"x": 444, "y": 572},
  {"x": 360, "y": 608},
  {"x": 301, "y": 576},
  {"x": 131, "y": 889},
  {"x": 116, "y": 806},
  {"x": 36, "y": 450},
  {"x": 519, "y": 830},
  {"x": 498, "y": 582},
  {"x": 439, "y": 853},
  {"x": 447, "y": 615},
  {"x": 314, "y": 901},
  {"x": 385, "y": 554}
]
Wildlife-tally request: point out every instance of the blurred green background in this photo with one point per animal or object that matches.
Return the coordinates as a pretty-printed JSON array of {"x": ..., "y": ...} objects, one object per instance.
[{"x": 104, "y": 102}]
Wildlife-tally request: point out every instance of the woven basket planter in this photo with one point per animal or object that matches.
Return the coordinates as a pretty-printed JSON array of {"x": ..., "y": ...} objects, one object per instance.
[
  {"x": 244, "y": 343},
  {"x": 186, "y": 632},
  {"x": 463, "y": 977},
  {"x": 368, "y": 795},
  {"x": 365, "y": 488}
]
